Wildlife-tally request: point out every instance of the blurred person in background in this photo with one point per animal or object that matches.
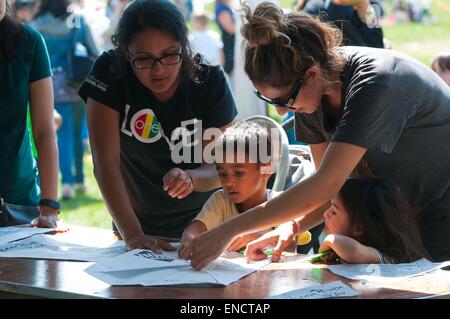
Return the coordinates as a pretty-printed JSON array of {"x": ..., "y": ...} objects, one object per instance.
[
  {"x": 225, "y": 22},
  {"x": 186, "y": 7},
  {"x": 205, "y": 41},
  {"x": 62, "y": 32},
  {"x": 23, "y": 10},
  {"x": 357, "y": 19},
  {"x": 113, "y": 11}
]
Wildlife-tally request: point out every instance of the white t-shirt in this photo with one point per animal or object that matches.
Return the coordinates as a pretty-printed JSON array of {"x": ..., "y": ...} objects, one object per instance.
[{"x": 207, "y": 43}]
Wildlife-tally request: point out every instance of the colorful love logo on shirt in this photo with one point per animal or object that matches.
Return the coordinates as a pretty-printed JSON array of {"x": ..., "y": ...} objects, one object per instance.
[{"x": 145, "y": 126}]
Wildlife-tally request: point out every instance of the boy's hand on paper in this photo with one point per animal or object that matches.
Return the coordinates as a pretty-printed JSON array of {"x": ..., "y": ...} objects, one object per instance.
[
  {"x": 208, "y": 246},
  {"x": 178, "y": 183},
  {"x": 148, "y": 242},
  {"x": 185, "y": 241},
  {"x": 193, "y": 230}
]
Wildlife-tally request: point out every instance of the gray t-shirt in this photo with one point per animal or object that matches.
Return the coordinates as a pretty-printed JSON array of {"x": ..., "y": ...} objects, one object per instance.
[{"x": 399, "y": 110}]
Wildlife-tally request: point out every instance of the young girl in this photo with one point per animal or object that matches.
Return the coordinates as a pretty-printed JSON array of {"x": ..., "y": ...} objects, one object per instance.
[
  {"x": 369, "y": 222},
  {"x": 244, "y": 183}
]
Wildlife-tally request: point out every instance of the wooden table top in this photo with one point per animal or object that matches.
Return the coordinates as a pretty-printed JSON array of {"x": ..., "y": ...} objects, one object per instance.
[{"x": 64, "y": 279}]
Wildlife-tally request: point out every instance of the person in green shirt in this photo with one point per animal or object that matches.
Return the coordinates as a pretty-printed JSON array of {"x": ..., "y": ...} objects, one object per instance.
[{"x": 26, "y": 78}]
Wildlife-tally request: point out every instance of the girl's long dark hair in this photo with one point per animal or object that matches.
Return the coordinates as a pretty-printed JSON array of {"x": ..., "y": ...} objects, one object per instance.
[
  {"x": 378, "y": 208},
  {"x": 156, "y": 14},
  {"x": 12, "y": 34}
]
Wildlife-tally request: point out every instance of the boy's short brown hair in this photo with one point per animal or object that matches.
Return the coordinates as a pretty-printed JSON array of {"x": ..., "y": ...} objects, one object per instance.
[{"x": 249, "y": 137}]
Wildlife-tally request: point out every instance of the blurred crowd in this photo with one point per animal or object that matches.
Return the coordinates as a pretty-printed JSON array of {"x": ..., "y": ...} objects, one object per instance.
[{"x": 418, "y": 11}]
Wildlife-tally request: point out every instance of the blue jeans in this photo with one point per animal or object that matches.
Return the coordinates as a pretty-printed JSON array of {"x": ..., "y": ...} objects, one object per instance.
[{"x": 70, "y": 142}]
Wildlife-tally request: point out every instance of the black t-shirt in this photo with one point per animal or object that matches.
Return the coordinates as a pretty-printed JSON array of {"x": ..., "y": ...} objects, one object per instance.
[
  {"x": 398, "y": 109},
  {"x": 146, "y": 126}
]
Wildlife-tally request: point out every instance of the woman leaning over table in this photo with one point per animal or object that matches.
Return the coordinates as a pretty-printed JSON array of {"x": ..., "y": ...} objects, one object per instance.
[
  {"x": 138, "y": 96},
  {"x": 361, "y": 109}
]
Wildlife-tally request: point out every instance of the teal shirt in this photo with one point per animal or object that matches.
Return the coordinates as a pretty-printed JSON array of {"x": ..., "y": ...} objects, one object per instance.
[{"x": 19, "y": 182}]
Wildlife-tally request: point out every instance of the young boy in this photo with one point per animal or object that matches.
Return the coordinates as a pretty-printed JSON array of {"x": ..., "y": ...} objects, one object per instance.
[{"x": 243, "y": 177}]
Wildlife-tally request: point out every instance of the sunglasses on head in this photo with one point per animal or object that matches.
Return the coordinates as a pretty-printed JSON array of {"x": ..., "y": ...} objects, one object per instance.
[{"x": 280, "y": 102}]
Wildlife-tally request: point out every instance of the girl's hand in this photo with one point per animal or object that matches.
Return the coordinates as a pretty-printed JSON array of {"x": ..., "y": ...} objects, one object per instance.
[
  {"x": 178, "y": 183},
  {"x": 331, "y": 258},
  {"x": 243, "y": 241},
  {"x": 280, "y": 238},
  {"x": 237, "y": 244},
  {"x": 148, "y": 242}
]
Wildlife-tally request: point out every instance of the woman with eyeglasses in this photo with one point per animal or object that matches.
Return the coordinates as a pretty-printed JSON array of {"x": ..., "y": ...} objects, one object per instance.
[
  {"x": 145, "y": 99},
  {"x": 361, "y": 109}
]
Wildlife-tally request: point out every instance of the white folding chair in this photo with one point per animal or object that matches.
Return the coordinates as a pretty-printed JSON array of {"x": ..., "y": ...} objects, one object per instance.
[{"x": 280, "y": 150}]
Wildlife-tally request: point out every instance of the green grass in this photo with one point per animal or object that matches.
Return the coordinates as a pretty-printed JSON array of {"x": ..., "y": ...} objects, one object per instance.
[
  {"x": 423, "y": 41},
  {"x": 272, "y": 113},
  {"x": 87, "y": 209}
]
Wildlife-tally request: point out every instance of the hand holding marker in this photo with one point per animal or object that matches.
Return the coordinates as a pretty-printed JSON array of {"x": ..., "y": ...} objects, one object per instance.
[{"x": 302, "y": 239}]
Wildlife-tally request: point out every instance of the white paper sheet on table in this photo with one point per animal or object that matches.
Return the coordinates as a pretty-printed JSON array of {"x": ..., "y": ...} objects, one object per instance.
[
  {"x": 223, "y": 271},
  {"x": 9, "y": 234},
  {"x": 233, "y": 266},
  {"x": 144, "y": 259},
  {"x": 334, "y": 289},
  {"x": 386, "y": 272},
  {"x": 45, "y": 247}
]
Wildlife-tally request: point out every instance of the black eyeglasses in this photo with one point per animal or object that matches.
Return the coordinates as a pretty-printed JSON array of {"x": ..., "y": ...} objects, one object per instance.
[
  {"x": 281, "y": 103},
  {"x": 150, "y": 62}
]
